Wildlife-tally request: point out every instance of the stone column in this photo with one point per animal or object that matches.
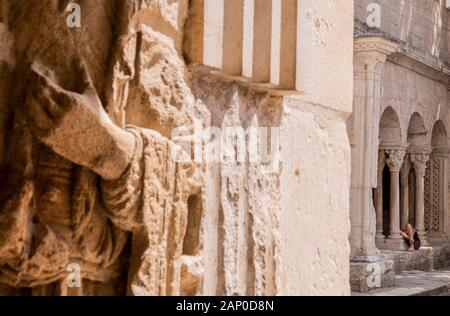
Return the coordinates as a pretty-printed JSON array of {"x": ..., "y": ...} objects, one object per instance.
[
  {"x": 370, "y": 55},
  {"x": 405, "y": 192},
  {"x": 419, "y": 161},
  {"x": 395, "y": 162},
  {"x": 379, "y": 237}
]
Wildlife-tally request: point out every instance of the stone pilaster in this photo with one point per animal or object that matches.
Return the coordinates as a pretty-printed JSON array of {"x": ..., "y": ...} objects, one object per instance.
[{"x": 370, "y": 55}]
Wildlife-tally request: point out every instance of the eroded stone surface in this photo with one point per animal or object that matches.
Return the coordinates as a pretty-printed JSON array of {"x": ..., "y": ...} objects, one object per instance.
[{"x": 75, "y": 185}]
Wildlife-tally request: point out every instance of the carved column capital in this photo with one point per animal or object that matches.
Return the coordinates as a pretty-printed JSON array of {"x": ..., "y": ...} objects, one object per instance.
[
  {"x": 420, "y": 161},
  {"x": 372, "y": 52},
  {"x": 395, "y": 160}
]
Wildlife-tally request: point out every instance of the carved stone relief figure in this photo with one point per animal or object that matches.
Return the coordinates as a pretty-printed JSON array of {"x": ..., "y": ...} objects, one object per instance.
[{"x": 81, "y": 185}]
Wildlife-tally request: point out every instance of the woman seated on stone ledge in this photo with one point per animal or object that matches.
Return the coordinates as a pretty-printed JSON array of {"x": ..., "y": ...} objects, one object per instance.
[{"x": 411, "y": 238}]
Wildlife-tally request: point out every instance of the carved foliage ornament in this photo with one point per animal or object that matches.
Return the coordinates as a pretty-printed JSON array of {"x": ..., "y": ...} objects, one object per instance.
[{"x": 395, "y": 160}]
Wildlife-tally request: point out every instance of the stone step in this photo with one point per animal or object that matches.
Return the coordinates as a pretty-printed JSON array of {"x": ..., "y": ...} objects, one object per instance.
[
  {"x": 417, "y": 283},
  {"x": 425, "y": 259}
]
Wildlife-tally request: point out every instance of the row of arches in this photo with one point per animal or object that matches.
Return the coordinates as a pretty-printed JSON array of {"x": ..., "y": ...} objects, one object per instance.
[
  {"x": 412, "y": 180},
  {"x": 391, "y": 132}
]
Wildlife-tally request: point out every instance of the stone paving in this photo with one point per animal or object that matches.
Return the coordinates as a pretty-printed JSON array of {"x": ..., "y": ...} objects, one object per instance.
[{"x": 417, "y": 283}]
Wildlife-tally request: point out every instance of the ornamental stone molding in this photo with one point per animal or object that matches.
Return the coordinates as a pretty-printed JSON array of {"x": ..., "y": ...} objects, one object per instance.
[
  {"x": 375, "y": 44},
  {"x": 372, "y": 52}
]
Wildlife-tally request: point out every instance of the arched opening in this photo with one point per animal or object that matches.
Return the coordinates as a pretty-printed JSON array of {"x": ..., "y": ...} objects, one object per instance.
[
  {"x": 390, "y": 130},
  {"x": 390, "y": 137},
  {"x": 417, "y": 133},
  {"x": 439, "y": 138},
  {"x": 417, "y": 138}
]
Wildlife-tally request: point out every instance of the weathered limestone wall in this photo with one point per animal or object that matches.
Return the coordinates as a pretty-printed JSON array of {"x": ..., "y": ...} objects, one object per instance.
[
  {"x": 276, "y": 221},
  {"x": 316, "y": 153},
  {"x": 263, "y": 231},
  {"x": 408, "y": 91},
  {"x": 318, "y": 162},
  {"x": 422, "y": 27},
  {"x": 241, "y": 226}
]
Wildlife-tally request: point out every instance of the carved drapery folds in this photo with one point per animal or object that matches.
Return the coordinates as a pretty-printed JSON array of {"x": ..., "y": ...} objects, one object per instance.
[{"x": 58, "y": 211}]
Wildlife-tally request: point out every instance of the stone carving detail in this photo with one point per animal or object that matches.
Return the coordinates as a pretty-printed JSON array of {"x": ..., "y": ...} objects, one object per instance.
[
  {"x": 433, "y": 195},
  {"x": 81, "y": 189},
  {"x": 372, "y": 53},
  {"x": 436, "y": 205},
  {"x": 395, "y": 159},
  {"x": 376, "y": 44},
  {"x": 427, "y": 199},
  {"x": 420, "y": 161}
]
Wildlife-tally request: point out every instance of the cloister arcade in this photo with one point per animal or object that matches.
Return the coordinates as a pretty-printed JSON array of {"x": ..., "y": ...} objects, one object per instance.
[{"x": 412, "y": 180}]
